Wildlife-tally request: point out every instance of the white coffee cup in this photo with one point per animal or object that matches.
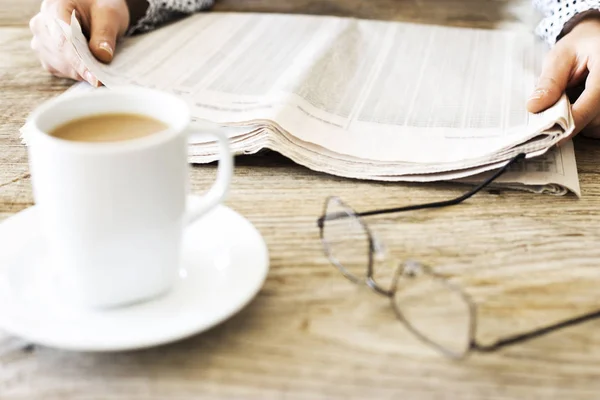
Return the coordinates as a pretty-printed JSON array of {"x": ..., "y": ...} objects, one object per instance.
[{"x": 113, "y": 214}]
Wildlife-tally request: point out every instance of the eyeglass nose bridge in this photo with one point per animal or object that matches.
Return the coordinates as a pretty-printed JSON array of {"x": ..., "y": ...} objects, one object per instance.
[
  {"x": 404, "y": 268},
  {"x": 408, "y": 268},
  {"x": 412, "y": 268}
]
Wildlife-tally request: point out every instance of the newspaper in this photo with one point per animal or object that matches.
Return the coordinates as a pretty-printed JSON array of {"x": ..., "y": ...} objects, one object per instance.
[{"x": 356, "y": 98}]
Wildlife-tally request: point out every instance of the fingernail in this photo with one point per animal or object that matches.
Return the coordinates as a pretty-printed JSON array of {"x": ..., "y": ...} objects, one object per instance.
[
  {"x": 106, "y": 47},
  {"x": 90, "y": 78},
  {"x": 538, "y": 94}
]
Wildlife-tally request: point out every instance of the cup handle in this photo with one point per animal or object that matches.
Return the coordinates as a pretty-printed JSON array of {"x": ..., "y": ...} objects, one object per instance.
[{"x": 197, "y": 206}]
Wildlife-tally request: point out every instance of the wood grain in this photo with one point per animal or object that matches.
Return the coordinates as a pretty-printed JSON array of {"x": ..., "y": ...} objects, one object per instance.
[
  {"x": 480, "y": 13},
  {"x": 527, "y": 261}
]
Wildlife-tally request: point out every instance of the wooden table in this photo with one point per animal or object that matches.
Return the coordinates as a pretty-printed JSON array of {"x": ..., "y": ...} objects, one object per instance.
[{"x": 527, "y": 260}]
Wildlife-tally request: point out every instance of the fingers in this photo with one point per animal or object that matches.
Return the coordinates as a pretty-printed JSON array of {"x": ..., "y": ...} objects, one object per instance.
[
  {"x": 55, "y": 52},
  {"x": 41, "y": 45},
  {"x": 554, "y": 79},
  {"x": 58, "y": 10},
  {"x": 105, "y": 28},
  {"x": 587, "y": 106},
  {"x": 53, "y": 62},
  {"x": 70, "y": 56}
]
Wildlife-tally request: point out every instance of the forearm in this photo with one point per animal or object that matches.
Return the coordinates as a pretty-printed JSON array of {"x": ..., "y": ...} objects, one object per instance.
[
  {"x": 149, "y": 14},
  {"x": 561, "y": 15}
]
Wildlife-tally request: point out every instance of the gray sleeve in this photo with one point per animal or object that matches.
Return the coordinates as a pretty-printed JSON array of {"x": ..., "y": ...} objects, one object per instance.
[
  {"x": 562, "y": 15},
  {"x": 161, "y": 11}
]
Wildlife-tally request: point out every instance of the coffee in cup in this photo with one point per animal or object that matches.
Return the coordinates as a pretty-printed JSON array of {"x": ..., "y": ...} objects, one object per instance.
[{"x": 112, "y": 127}]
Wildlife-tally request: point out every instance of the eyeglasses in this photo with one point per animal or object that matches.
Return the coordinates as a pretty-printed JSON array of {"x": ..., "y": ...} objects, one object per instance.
[{"x": 431, "y": 307}]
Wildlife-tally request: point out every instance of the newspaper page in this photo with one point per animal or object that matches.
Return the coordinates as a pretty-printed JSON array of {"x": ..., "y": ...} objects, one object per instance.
[
  {"x": 348, "y": 85},
  {"x": 553, "y": 173},
  {"x": 386, "y": 100}
]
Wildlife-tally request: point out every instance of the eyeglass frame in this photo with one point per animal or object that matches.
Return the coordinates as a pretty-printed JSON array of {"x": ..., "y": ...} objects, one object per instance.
[{"x": 372, "y": 284}]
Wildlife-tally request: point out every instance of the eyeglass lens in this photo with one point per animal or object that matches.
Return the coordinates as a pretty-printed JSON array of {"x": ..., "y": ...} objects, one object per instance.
[
  {"x": 434, "y": 310},
  {"x": 346, "y": 241}
]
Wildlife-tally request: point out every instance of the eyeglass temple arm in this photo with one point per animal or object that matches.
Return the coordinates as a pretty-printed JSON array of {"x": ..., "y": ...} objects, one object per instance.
[
  {"x": 532, "y": 335},
  {"x": 452, "y": 202}
]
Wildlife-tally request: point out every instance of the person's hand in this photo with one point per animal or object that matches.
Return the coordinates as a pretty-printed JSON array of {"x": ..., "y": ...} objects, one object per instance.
[
  {"x": 574, "y": 60},
  {"x": 104, "y": 21}
]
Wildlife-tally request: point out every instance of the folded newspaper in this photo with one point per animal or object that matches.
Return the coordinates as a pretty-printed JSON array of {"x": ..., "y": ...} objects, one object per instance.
[{"x": 357, "y": 98}]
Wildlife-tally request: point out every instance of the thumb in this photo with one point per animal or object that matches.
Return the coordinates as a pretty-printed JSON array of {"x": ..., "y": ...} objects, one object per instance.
[
  {"x": 553, "y": 80},
  {"x": 104, "y": 29}
]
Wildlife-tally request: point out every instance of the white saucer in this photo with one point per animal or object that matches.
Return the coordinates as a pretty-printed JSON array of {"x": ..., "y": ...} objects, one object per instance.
[{"x": 225, "y": 264}]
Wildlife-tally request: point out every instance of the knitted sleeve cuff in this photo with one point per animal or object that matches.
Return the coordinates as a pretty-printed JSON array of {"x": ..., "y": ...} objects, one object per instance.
[
  {"x": 161, "y": 11},
  {"x": 562, "y": 15}
]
